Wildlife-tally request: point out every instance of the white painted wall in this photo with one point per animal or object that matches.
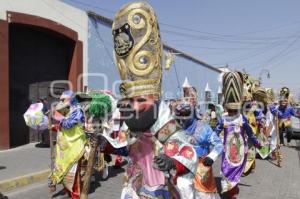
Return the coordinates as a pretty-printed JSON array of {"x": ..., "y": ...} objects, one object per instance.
[{"x": 54, "y": 10}]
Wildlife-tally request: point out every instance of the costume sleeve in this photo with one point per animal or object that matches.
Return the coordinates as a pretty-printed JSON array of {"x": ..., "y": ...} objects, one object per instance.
[
  {"x": 216, "y": 142},
  {"x": 292, "y": 111},
  {"x": 273, "y": 109},
  {"x": 258, "y": 114},
  {"x": 109, "y": 149},
  {"x": 177, "y": 148},
  {"x": 219, "y": 127},
  {"x": 76, "y": 117},
  {"x": 180, "y": 169},
  {"x": 249, "y": 131}
]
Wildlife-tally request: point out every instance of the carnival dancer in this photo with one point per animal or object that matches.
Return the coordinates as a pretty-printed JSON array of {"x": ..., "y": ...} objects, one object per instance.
[
  {"x": 236, "y": 129},
  {"x": 248, "y": 112},
  {"x": 265, "y": 122},
  {"x": 202, "y": 137},
  {"x": 284, "y": 112},
  {"x": 157, "y": 148},
  {"x": 271, "y": 124},
  {"x": 254, "y": 114},
  {"x": 70, "y": 145}
]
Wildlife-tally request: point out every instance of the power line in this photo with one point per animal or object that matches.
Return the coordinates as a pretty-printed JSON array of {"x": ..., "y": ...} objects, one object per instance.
[
  {"x": 285, "y": 49},
  {"x": 247, "y": 57},
  {"x": 97, "y": 32},
  {"x": 214, "y": 39},
  {"x": 232, "y": 38},
  {"x": 93, "y": 6},
  {"x": 228, "y": 36},
  {"x": 225, "y": 48},
  {"x": 101, "y": 39},
  {"x": 216, "y": 35},
  {"x": 284, "y": 52}
]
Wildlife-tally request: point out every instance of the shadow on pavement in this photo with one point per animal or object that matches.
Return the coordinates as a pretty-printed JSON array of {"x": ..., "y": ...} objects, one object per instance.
[
  {"x": 2, "y": 167},
  {"x": 42, "y": 145},
  {"x": 244, "y": 185},
  {"x": 219, "y": 188},
  {"x": 3, "y": 196},
  {"x": 297, "y": 146},
  {"x": 113, "y": 172},
  {"x": 60, "y": 193},
  {"x": 272, "y": 162}
]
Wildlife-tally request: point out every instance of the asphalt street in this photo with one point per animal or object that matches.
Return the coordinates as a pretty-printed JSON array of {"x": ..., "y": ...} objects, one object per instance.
[{"x": 267, "y": 182}]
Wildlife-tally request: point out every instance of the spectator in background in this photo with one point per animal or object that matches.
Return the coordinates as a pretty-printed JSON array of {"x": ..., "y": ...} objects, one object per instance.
[{"x": 45, "y": 133}]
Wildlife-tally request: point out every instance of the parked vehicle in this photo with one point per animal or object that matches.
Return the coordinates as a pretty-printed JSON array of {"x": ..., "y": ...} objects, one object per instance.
[{"x": 296, "y": 123}]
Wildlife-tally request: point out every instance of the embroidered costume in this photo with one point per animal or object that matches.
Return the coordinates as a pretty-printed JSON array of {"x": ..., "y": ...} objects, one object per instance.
[
  {"x": 70, "y": 145},
  {"x": 156, "y": 147},
  {"x": 202, "y": 137},
  {"x": 284, "y": 112},
  {"x": 236, "y": 130}
]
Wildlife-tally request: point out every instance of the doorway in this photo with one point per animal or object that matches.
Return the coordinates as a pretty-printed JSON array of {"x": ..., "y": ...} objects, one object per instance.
[{"x": 36, "y": 55}]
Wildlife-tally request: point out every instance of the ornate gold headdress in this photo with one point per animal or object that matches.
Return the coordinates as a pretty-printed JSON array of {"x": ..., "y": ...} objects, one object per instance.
[
  {"x": 260, "y": 94},
  {"x": 270, "y": 94},
  {"x": 248, "y": 85},
  {"x": 284, "y": 93},
  {"x": 138, "y": 50},
  {"x": 233, "y": 90}
]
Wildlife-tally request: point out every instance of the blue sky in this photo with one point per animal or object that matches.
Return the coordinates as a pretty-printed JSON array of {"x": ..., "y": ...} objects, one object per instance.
[{"x": 253, "y": 35}]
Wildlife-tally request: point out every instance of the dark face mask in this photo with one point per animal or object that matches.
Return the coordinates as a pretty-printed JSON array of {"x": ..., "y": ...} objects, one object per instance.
[
  {"x": 185, "y": 114},
  {"x": 139, "y": 122}
]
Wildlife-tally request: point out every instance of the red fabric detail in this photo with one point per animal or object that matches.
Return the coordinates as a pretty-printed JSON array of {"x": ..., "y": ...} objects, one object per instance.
[
  {"x": 55, "y": 127},
  {"x": 234, "y": 192},
  {"x": 115, "y": 134},
  {"x": 67, "y": 192},
  {"x": 180, "y": 170},
  {"x": 119, "y": 160},
  {"x": 75, "y": 194},
  {"x": 108, "y": 148}
]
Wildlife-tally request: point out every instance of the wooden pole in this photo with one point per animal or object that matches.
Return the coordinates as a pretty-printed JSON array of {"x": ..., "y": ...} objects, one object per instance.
[
  {"x": 90, "y": 166},
  {"x": 278, "y": 153},
  {"x": 52, "y": 152}
]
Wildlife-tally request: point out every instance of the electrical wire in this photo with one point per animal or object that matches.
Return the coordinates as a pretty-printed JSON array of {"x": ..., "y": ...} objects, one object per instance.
[
  {"x": 83, "y": 28},
  {"x": 101, "y": 39},
  {"x": 216, "y": 35}
]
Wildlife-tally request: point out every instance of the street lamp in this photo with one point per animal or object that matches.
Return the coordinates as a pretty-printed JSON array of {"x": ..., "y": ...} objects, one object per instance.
[{"x": 263, "y": 71}]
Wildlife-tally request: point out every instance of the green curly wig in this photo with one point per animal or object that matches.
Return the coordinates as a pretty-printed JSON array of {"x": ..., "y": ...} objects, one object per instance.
[{"x": 100, "y": 105}]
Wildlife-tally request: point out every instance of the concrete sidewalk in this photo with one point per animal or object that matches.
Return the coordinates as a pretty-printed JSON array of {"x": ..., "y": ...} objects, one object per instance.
[{"x": 23, "y": 166}]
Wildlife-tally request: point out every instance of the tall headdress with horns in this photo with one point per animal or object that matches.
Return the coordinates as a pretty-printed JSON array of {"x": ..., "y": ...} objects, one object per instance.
[
  {"x": 233, "y": 90},
  {"x": 138, "y": 50}
]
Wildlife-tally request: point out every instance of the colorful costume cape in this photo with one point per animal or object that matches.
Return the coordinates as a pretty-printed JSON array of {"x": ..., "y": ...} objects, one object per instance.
[
  {"x": 69, "y": 149},
  {"x": 204, "y": 137},
  {"x": 235, "y": 149},
  {"x": 142, "y": 179}
]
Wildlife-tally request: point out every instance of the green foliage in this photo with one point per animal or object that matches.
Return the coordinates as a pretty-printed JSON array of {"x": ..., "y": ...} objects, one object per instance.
[{"x": 100, "y": 105}]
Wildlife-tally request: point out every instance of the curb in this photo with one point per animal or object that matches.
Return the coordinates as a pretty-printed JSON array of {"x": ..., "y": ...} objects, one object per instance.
[
  {"x": 26, "y": 146},
  {"x": 18, "y": 182}
]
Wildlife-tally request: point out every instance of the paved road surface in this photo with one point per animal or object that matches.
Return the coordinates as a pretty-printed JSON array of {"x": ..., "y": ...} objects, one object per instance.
[{"x": 268, "y": 181}]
